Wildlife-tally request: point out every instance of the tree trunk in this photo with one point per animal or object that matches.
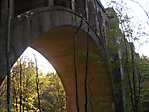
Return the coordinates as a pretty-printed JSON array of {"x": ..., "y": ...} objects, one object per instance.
[
  {"x": 37, "y": 84},
  {"x": 20, "y": 86}
]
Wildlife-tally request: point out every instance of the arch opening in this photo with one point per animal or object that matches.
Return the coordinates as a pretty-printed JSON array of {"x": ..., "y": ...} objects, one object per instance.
[{"x": 34, "y": 80}]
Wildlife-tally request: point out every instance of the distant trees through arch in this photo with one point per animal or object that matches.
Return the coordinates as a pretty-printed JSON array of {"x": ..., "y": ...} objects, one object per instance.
[{"x": 32, "y": 88}]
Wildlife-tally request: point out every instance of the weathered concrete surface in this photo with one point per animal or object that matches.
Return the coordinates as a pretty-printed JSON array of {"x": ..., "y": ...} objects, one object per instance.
[
  {"x": 61, "y": 55},
  {"x": 52, "y": 33}
]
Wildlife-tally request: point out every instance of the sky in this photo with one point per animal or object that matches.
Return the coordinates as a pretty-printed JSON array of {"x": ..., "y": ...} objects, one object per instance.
[
  {"x": 138, "y": 20},
  {"x": 43, "y": 64}
]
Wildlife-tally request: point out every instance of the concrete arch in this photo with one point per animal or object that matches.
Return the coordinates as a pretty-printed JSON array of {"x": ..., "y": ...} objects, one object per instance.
[{"x": 52, "y": 33}]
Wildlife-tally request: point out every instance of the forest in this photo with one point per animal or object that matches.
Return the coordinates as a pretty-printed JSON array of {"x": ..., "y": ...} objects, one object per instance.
[{"x": 32, "y": 90}]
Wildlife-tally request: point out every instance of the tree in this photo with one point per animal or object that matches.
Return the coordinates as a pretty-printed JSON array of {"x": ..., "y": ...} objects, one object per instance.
[
  {"x": 144, "y": 65},
  {"x": 37, "y": 83},
  {"x": 123, "y": 57},
  {"x": 53, "y": 97},
  {"x": 24, "y": 89}
]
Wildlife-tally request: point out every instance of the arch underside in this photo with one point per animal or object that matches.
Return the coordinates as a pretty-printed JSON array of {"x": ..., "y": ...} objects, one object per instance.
[
  {"x": 52, "y": 34},
  {"x": 57, "y": 45}
]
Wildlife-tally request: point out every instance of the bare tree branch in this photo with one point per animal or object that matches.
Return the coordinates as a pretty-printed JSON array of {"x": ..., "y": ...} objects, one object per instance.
[{"x": 136, "y": 2}]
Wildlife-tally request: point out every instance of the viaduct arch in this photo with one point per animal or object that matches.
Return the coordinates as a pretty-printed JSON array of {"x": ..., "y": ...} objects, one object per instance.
[
  {"x": 64, "y": 39},
  {"x": 54, "y": 38}
]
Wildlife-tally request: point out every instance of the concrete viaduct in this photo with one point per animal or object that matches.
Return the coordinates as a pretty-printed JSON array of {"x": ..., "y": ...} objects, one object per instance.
[{"x": 72, "y": 39}]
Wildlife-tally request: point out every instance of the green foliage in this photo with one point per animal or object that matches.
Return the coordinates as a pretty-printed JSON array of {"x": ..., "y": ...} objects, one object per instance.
[
  {"x": 52, "y": 94},
  {"x": 123, "y": 60},
  {"x": 144, "y": 69}
]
